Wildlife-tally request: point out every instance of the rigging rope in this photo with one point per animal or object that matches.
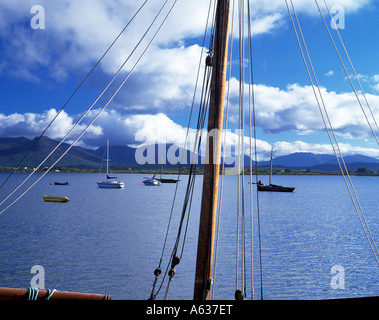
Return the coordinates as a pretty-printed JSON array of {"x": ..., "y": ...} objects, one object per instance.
[
  {"x": 72, "y": 95},
  {"x": 98, "y": 114},
  {"x": 352, "y": 67},
  {"x": 174, "y": 258},
  {"x": 346, "y": 72},
  {"x": 344, "y": 172},
  {"x": 252, "y": 123},
  {"x": 241, "y": 265},
  {"x": 241, "y": 142},
  {"x": 224, "y": 151}
]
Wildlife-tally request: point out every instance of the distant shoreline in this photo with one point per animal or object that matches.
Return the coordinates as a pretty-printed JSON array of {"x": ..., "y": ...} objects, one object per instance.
[{"x": 185, "y": 171}]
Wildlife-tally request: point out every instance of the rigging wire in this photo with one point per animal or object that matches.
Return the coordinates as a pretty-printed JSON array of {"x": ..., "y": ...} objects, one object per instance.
[
  {"x": 252, "y": 123},
  {"x": 224, "y": 151},
  {"x": 352, "y": 67},
  {"x": 73, "y": 94},
  {"x": 187, "y": 134},
  {"x": 241, "y": 170},
  {"x": 101, "y": 110},
  {"x": 346, "y": 72},
  {"x": 174, "y": 259},
  {"x": 241, "y": 265},
  {"x": 329, "y": 128}
]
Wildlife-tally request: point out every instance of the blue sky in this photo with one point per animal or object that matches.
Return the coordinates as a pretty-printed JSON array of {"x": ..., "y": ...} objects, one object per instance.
[{"x": 40, "y": 69}]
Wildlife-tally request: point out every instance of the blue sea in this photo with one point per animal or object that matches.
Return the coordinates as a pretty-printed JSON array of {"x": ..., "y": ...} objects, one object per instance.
[{"x": 110, "y": 241}]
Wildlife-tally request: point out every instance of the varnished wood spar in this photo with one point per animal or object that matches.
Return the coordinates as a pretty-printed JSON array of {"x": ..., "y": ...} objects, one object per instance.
[
  {"x": 22, "y": 294},
  {"x": 211, "y": 169}
]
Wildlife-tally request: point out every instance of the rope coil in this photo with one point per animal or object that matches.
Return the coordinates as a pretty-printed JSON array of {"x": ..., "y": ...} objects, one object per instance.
[{"x": 33, "y": 294}]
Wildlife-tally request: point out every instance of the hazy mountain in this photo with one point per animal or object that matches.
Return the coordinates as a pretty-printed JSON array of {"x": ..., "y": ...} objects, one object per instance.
[
  {"x": 299, "y": 160},
  {"x": 12, "y": 150},
  {"x": 322, "y": 162}
]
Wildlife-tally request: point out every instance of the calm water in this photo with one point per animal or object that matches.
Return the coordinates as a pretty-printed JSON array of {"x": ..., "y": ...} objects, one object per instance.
[{"x": 110, "y": 241}]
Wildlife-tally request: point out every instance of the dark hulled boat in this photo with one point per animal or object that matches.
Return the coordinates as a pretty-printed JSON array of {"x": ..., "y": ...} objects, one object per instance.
[{"x": 273, "y": 188}]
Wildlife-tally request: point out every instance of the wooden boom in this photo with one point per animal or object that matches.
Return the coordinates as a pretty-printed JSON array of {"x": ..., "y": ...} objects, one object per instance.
[{"x": 23, "y": 294}]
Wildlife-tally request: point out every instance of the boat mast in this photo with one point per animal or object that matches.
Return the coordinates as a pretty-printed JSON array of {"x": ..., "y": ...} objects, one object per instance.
[
  {"x": 107, "y": 156},
  {"x": 272, "y": 150},
  {"x": 203, "y": 277}
]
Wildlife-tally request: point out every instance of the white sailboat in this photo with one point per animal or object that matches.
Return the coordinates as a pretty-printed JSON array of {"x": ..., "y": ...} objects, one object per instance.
[{"x": 110, "y": 182}]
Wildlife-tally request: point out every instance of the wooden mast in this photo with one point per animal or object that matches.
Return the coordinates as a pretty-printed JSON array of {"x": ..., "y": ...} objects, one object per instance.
[{"x": 213, "y": 150}]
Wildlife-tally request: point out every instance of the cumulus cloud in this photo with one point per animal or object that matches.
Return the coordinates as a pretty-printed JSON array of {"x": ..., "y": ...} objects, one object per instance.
[
  {"x": 305, "y": 6},
  {"x": 296, "y": 109},
  {"x": 78, "y": 32},
  {"x": 277, "y": 111},
  {"x": 167, "y": 77},
  {"x": 31, "y": 125},
  {"x": 145, "y": 129},
  {"x": 284, "y": 148}
]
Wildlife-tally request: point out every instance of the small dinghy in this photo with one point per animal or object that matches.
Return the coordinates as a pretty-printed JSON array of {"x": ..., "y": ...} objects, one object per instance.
[{"x": 55, "y": 199}]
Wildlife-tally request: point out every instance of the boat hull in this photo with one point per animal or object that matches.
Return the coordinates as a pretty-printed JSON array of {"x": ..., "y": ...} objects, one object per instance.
[
  {"x": 111, "y": 185},
  {"x": 151, "y": 182},
  {"x": 167, "y": 180},
  {"x": 275, "y": 188},
  {"x": 55, "y": 199}
]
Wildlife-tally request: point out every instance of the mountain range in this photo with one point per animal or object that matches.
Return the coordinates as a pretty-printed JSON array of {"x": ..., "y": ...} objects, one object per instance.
[
  {"x": 322, "y": 162},
  {"x": 12, "y": 151}
]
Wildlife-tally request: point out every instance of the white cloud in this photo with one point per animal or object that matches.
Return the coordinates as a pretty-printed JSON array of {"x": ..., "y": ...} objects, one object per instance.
[
  {"x": 284, "y": 148},
  {"x": 296, "y": 109},
  {"x": 31, "y": 125},
  {"x": 376, "y": 87},
  {"x": 169, "y": 76},
  {"x": 308, "y": 7},
  {"x": 149, "y": 129},
  {"x": 152, "y": 129},
  {"x": 267, "y": 23},
  {"x": 78, "y": 32},
  {"x": 329, "y": 73},
  {"x": 159, "y": 128}
]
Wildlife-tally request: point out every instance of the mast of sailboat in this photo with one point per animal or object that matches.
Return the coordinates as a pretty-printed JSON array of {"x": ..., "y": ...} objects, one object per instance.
[
  {"x": 272, "y": 150},
  {"x": 107, "y": 156},
  {"x": 203, "y": 277}
]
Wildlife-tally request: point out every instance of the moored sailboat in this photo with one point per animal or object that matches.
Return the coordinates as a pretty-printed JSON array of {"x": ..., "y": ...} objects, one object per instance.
[
  {"x": 165, "y": 180},
  {"x": 151, "y": 182},
  {"x": 273, "y": 187},
  {"x": 110, "y": 182},
  {"x": 207, "y": 220}
]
